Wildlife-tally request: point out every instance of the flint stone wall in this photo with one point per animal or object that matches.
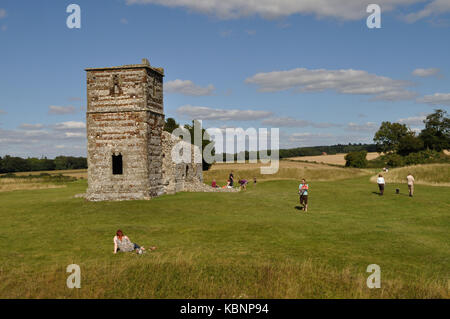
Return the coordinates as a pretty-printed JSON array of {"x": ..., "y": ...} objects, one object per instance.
[{"x": 125, "y": 116}]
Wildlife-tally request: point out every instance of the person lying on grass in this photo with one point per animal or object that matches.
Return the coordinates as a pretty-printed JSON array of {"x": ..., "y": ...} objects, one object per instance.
[{"x": 123, "y": 243}]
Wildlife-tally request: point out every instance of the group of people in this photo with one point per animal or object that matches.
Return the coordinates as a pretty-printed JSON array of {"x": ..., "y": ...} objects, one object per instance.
[
  {"x": 124, "y": 244},
  {"x": 230, "y": 182},
  {"x": 409, "y": 179}
]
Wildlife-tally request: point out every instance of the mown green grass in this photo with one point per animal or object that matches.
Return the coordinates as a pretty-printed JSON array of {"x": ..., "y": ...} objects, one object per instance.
[{"x": 252, "y": 244}]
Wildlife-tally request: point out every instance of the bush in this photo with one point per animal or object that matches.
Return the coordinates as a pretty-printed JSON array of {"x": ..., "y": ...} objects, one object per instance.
[
  {"x": 394, "y": 160},
  {"x": 422, "y": 157},
  {"x": 356, "y": 159}
]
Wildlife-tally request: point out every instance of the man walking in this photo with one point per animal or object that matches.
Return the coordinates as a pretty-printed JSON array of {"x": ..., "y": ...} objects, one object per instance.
[
  {"x": 410, "y": 180},
  {"x": 381, "y": 183}
]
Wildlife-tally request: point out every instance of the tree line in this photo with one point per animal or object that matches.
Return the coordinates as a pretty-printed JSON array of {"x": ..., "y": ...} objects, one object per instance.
[
  {"x": 11, "y": 164},
  {"x": 402, "y": 146}
]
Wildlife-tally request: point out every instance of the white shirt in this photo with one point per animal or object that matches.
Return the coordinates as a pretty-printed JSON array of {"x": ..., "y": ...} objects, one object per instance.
[{"x": 380, "y": 180}]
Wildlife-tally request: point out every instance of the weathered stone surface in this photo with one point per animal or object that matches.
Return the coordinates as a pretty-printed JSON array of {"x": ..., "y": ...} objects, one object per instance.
[{"x": 125, "y": 117}]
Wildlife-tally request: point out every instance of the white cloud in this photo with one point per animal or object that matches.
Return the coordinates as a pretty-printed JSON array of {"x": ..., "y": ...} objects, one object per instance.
[
  {"x": 3, "y": 13},
  {"x": 124, "y": 21},
  {"x": 413, "y": 120},
  {"x": 436, "y": 99},
  {"x": 188, "y": 87},
  {"x": 347, "y": 81},
  {"x": 34, "y": 140},
  {"x": 426, "y": 72},
  {"x": 60, "y": 110},
  {"x": 434, "y": 8},
  {"x": 229, "y": 9},
  {"x": 207, "y": 113},
  {"x": 26, "y": 126},
  {"x": 70, "y": 125},
  {"x": 367, "y": 127},
  {"x": 291, "y": 122}
]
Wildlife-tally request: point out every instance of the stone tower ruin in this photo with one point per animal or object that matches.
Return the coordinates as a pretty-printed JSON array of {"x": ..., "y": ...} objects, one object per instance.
[{"x": 125, "y": 119}]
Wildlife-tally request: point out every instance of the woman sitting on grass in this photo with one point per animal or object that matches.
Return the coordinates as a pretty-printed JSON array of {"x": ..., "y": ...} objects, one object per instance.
[{"x": 123, "y": 243}]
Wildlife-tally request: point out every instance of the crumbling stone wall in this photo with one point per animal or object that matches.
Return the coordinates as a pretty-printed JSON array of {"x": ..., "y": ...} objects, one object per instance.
[{"x": 176, "y": 177}]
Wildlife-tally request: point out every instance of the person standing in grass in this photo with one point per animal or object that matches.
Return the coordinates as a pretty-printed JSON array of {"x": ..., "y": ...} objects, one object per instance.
[
  {"x": 381, "y": 183},
  {"x": 231, "y": 179},
  {"x": 123, "y": 243},
  {"x": 411, "y": 181},
  {"x": 303, "y": 192}
]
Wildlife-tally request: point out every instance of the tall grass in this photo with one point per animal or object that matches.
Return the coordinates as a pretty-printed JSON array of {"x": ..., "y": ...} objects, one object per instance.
[
  {"x": 288, "y": 170},
  {"x": 13, "y": 184},
  {"x": 148, "y": 276},
  {"x": 427, "y": 174}
]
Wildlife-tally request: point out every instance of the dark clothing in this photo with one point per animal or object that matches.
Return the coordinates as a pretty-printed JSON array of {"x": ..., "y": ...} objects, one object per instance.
[
  {"x": 243, "y": 182},
  {"x": 231, "y": 178},
  {"x": 303, "y": 199},
  {"x": 381, "y": 187}
]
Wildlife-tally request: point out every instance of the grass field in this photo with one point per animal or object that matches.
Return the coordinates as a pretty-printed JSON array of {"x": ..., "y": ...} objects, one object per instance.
[
  {"x": 287, "y": 170},
  {"x": 335, "y": 159},
  {"x": 251, "y": 244}
]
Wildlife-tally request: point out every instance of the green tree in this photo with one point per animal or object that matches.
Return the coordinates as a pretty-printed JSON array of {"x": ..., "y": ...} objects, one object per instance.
[
  {"x": 206, "y": 139},
  {"x": 356, "y": 159},
  {"x": 170, "y": 125},
  {"x": 389, "y": 135},
  {"x": 409, "y": 143},
  {"x": 436, "y": 134}
]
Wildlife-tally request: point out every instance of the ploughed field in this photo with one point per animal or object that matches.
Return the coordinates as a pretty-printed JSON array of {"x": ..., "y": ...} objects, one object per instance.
[{"x": 251, "y": 244}]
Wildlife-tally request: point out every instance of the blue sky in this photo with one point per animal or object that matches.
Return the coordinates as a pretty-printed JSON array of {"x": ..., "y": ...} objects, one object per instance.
[{"x": 312, "y": 69}]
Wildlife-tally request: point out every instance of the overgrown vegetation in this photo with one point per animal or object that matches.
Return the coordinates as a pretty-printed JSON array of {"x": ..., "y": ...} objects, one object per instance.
[
  {"x": 356, "y": 159},
  {"x": 12, "y": 182},
  {"x": 397, "y": 160},
  {"x": 402, "y": 146},
  {"x": 427, "y": 174}
]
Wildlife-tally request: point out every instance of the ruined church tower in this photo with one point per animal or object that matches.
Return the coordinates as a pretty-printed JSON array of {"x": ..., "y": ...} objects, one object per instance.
[{"x": 125, "y": 119}]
